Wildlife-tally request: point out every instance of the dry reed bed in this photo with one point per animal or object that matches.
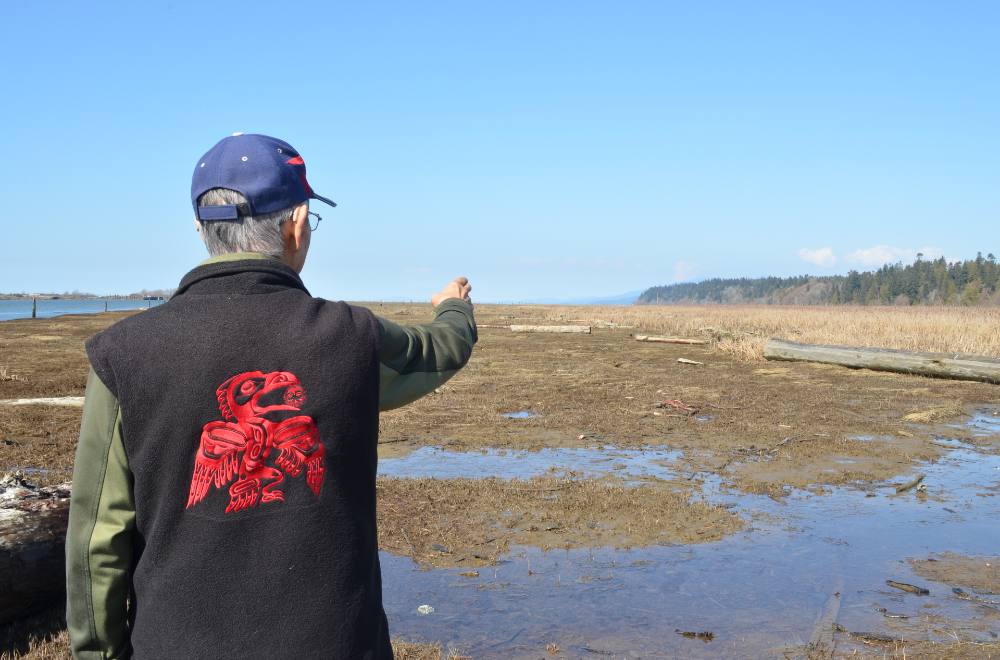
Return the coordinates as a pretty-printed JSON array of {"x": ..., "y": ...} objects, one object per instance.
[{"x": 741, "y": 330}]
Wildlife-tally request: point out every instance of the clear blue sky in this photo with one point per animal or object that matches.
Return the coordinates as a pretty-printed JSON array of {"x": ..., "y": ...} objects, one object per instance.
[{"x": 545, "y": 149}]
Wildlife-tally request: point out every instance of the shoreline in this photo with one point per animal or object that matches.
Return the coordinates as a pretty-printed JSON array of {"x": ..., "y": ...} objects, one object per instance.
[{"x": 55, "y": 308}]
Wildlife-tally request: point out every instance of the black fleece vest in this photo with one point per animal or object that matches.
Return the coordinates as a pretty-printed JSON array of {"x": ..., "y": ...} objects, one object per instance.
[{"x": 250, "y": 422}]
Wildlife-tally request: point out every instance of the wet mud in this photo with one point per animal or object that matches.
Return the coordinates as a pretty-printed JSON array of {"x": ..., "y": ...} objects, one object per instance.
[
  {"x": 981, "y": 575},
  {"x": 472, "y": 522}
]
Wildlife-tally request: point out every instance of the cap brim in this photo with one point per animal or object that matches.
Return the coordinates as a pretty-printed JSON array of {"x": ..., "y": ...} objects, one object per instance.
[{"x": 324, "y": 199}]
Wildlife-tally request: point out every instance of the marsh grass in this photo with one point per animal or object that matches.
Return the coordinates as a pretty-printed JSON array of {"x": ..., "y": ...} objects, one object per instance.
[{"x": 741, "y": 330}]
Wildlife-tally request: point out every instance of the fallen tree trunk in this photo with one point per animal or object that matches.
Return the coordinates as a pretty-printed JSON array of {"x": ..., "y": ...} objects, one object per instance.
[
  {"x": 32, "y": 535},
  {"x": 939, "y": 365},
  {"x": 670, "y": 340},
  {"x": 584, "y": 329}
]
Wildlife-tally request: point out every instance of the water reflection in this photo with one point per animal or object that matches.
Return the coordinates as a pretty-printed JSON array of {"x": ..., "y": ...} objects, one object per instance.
[
  {"x": 521, "y": 464},
  {"x": 520, "y": 414}
]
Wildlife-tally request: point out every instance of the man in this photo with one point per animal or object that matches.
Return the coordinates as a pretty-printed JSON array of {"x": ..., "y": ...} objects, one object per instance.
[{"x": 224, "y": 491}]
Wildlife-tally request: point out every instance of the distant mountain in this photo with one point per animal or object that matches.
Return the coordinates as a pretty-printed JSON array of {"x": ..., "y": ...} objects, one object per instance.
[{"x": 971, "y": 282}]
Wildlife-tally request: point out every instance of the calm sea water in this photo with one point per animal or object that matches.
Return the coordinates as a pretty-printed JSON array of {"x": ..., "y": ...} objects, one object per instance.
[{"x": 21, "y": 309}]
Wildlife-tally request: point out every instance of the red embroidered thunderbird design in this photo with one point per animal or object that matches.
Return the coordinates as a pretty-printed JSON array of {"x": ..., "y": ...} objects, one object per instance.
[{"x": 239, "y": 447}]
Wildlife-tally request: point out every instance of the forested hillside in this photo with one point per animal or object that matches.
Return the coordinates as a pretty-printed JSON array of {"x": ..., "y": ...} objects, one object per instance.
[{"x": 972, "y": 282}]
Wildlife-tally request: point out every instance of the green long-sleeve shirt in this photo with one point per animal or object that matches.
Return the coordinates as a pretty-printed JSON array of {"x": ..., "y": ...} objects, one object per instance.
[{"x": 414, "y": 360}]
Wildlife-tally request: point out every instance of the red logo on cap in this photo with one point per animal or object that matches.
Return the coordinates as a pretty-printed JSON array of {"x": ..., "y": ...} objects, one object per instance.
[{"x": 297, "y": 160}]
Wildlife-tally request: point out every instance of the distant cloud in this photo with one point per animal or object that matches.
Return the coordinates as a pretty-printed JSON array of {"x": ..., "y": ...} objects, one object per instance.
[
  {"x": 888, "y": 254},
  {"x": 822, "y": 257},
  {"x": 683, "y": 270}
]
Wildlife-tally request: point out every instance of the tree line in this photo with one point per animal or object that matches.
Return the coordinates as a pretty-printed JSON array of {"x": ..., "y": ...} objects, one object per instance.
[{"x": 923, "y": 282}]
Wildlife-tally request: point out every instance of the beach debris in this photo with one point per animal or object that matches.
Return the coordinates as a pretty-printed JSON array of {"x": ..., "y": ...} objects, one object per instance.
[
  {"x": 704, "y": 635},
  {"x": 469, "y": 574},
  {"x": 777, "y": 371},
  {"x": 655, "y": 339},
  {"x": 687, "y": 361},
  {"x": 582, "y": 329},
  {"x": 965, "y": 595},
  {"x": 940, "y": 365},
  {"x": 902, "y": 488},
  {"x": 821, "y": 640},
  {"x": 72, "y": 401},
  {"x": 6, "y": 375},
  {"x": 440, "y": 548},
  {"x": 32, "y": 534},
  {"x": 677, "y": 404},
  {"x": 867, "y": 637},
  {"x": 910, "y": 588},
  {"x": 425, "y": 609},
  {"x": 870, "y": 637},
  {"x": 933, "y": 414},
  {"x": 552, "y": 648},
  {"x": 890, "y": 615}
]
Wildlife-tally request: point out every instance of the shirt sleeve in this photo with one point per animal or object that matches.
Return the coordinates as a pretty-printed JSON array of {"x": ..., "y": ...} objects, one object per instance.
[
  {"x": 417, "y": 359},
  {"x": 100, "y": 534}
]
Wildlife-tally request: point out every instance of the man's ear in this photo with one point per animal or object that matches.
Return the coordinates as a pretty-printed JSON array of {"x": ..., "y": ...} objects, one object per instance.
[{"x": 293, "y": 232}]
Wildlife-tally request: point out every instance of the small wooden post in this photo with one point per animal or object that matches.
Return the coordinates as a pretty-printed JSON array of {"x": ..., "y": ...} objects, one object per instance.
[{"x": 34, "y": 308}]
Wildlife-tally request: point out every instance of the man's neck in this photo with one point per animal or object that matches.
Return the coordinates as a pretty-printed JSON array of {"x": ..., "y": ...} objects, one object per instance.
[{"x": 236, "y": 256}]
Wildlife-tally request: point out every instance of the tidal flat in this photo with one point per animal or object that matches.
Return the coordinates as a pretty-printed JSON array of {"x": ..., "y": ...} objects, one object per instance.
[{"x": 642, "y": 502}]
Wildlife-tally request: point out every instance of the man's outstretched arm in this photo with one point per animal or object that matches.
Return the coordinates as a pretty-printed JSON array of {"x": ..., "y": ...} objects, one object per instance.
[
  {"x": 417, "y": 359},
  {"x": 99, "y": 538}
]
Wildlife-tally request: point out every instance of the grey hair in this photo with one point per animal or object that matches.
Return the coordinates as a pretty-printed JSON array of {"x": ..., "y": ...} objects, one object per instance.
[{"x": 251, "y": 233}]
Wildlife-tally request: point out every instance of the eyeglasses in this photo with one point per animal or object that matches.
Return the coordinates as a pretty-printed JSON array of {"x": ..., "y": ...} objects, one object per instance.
[{"x": 314, "y": 221}]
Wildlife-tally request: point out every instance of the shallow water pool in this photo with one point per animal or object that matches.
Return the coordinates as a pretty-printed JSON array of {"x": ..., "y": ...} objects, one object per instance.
[{"x": 767, "y": 589}]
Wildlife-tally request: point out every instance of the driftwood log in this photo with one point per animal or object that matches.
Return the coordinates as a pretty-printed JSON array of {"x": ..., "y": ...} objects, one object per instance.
[
  {"x": 584, "y": 329},
  {"x": 670, "y": 340},
  {"x": 940, "y": 365},
  {"x": 32, "y": 534}
]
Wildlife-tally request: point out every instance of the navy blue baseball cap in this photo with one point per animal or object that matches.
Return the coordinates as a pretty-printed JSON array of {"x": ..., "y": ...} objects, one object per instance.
[{"x": 269, "y": 172}]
